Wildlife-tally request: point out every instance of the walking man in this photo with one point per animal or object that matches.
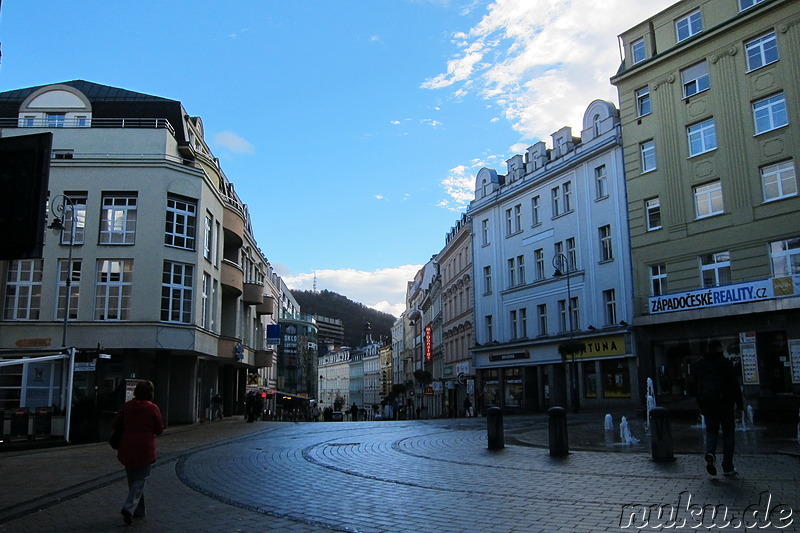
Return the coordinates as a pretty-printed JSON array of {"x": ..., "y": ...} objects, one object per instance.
[{"x": 718, "y": 393}]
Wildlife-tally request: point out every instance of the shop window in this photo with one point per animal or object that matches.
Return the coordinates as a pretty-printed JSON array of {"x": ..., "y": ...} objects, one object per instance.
[
  {"x": 491, "y": 388},
  {"x": 589, "y": 379},
  {"x": 616, "y": 379},
  {"x": 513, "y": 387}
]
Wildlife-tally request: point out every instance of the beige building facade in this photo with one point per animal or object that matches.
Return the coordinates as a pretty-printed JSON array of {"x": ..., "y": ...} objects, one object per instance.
[{"x": 709, "y": 96}]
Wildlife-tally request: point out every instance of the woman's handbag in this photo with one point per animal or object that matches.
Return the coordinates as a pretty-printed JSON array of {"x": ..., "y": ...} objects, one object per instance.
[{"x": 116, "y": 436}]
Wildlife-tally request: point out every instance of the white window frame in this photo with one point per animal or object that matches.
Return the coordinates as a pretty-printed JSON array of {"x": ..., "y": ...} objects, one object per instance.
[
  {"x": 523, "y": 322},
  {"x": 555, "y": 196},
  {"x": 606, "y": 243},
  {"x": 487, "y": 320},
  {"x": 520, "y": 270},
  {"x": 118, "y": 219},
  {"x": 208, "y": 237},
  {"x": 181, "y": 222},
  {"x": 177, "y": 292},
  {"x": 571, "y": 253},
  {"x": 114, "y": 286},
  {"x": 562, "y": 316},
  {"x": 485, "y": 232},
  {"x": 780, "y": 177},
  {"x": 74, "y": 289},
  {"x": 652, "y": 208},
  {"x": 75, "y": 212},
  {"x": 538, "y": 261},
  {"x": 708, "y": 200},
  {"x": 785, "y": 257},
  {"x": 638, "y": 51},
  {"x": 647, "y": 150},
  {"x": 761, "y": 51},
  {"x": 610, "y": 307},
  {"x": 643, "y": 103},
  {"x": 702, "y": 137},
  {"x": 747, "y": 4},
  {"x": 23, "y": 291},
  {"x": 487, "y": 280},
  {"x": 509, "y": 226},
  {"x": 536, "y": 210},
  {"x": 718, "y": 266},
  {"x": 541, "y": 313},
  {"x": 566, "y": 193},
  {"x": 205, "y": 302},
  {"x": 513, "y": 322},
  {"x": 695, "y": 79},
  {"x": 770, "y": 113},
  {"x": 601, "y": 182},
  {"x": 658, "y": 279},
  {"x": 688, "y": 25}
]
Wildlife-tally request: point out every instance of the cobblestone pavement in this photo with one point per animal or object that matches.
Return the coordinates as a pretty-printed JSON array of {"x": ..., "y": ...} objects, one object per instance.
[{"x": 415, "y": 476}]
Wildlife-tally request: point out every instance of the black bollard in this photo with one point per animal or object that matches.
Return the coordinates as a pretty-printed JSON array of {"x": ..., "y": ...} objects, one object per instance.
[
  {"x": 559, "y": 444},
  {"x": 494, "y": 428},
  {"x": 660, "y": 435}
]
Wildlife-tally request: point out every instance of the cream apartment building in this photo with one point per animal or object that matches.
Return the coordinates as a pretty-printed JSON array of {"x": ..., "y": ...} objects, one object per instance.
[{"x": 709, "y": 96}]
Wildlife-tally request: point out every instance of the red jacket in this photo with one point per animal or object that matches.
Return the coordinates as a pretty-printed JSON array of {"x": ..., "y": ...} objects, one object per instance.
[{"x": 140, "y": 424}]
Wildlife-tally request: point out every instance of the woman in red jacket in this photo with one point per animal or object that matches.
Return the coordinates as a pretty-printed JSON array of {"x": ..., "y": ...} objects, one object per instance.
[{"x": 141, "y": 422}]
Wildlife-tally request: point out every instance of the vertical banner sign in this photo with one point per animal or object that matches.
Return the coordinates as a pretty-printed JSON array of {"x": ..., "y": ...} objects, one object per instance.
[
  {"x": 273, "y": 334},
  {"x": 794, "y": 353},
  {"x": 428, "y": 343}
]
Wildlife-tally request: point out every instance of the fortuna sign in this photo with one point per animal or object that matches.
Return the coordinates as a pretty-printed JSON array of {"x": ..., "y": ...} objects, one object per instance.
[{"x": 754, "y": 291}]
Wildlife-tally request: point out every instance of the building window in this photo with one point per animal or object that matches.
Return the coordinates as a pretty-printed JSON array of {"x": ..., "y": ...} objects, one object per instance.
[
  {"x": 23, "y": 290},
  {"x": 541, "y": 312},
  {"x": 610, "y": 306},
  {"x": 74, "y": 278},
  {"x": 638, "y": 51},
  {"x": 558, "y": 248},
  {"x": 702, "y": 137},
  {"x": 56, "y": 120},
  {"x": 770, "y": 113},
  {"x": 562, "y": 316},
  {"x": 521, "y": 270},
  {"x": 538, "y": 261},
  {"x": 536, "y": 214},
  {"x": 616, "y": 378},
  {"x": 75, "y": 213},
  {"x": 205, "y": 307},
  {"x": 778, "y": 181},
  {"x": 572, "y": 254},
  {"x": 652, "y": 209},
  {"x": 118, "y": 219},
  {"x": 489, "y": 332},
  {"x": 715, "y": 269},
  {"x": 601, "y": 182},
  {"x": 785, "y": 256},
  {"x": 514, "y": 220},
  {"x": 695, "y": 79},
  {"x": 658, "y": 279},
  {"x": 643, "y": 102},
  {"x": 575, "y": 310},
  {"x": 691, "y": 24},
  {"x": 567, "y": 192},
  {"x": 513, "y": 317},
  {"x": 597, "y": 125},
  {"x": 509, "y": 224},
  {"x": 208, "y": 237},
  {"x": 176, "y": 292},
  {"x": 487, "y": 280},
  {"x": 114, "y": 286},
  {"x": 648, "y": 151},
  {"x": 179, "y": 230},
  {"x": 747, "y": 4},
  {"x": 523, "y": 323},
  {"x": 518, "y": 218},
  {"x": 708, "y": 199},
  {"x": 485, "y": 232},
  {"x": 555, "y": 195},
  {"x": 516, "y": 271},
  {"x": 761, "y": 51},
  {"x": 606, "y": 248}
]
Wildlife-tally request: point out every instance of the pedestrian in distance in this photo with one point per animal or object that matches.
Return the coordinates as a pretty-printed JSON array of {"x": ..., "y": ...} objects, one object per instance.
[
  {"x": 216, "y": 407},
  {"x": 467, "y": 407},
  {"x": 141, "y": 421},
  {"x": 354, "y": 412},
  {"x": 718, "y": 396}
]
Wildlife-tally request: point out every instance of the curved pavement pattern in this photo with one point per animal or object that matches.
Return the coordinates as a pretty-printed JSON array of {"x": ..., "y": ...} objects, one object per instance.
[{"x": 411, "y": 476}]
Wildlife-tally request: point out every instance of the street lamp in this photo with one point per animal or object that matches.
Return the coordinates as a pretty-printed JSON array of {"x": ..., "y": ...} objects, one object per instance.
[
  {"x": 58, "y": 225},
  {"x": 564, "y": 268}
]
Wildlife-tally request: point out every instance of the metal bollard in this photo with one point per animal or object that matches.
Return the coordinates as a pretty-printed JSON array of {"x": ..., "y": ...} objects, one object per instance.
[
  {"x": 660, "y": 435},
  {"x": 559, "y": 443},
  {"x": 494, "y": 428}
]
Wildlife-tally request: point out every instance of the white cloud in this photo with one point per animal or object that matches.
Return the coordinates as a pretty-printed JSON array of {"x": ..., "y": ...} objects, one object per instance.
[
  {"x": 383, "y": 289},
  {"x": 459, "y": 185},
  {"x": 379, "y": 197},
  {"x": 540, "y": 61},
  {"x": 395, "y": 122},
  {"x": 233, "y": 142}
]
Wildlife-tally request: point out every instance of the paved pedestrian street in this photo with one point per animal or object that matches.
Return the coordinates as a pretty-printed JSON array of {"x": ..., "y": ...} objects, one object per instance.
[{"x": 405, "y": 476}]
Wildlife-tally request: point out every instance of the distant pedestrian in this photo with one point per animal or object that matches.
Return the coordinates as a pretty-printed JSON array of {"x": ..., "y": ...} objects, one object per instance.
[
  {"x": 141, "y": 421},
  {"x": 216, "y": 407},
  {"x": 315, "y": 412},
  {"x": 718, "y": 394},
  {"x": 354, "y": 412},
  {"x": 250, "y": 406},
  {"x": 467, "y": 407}
]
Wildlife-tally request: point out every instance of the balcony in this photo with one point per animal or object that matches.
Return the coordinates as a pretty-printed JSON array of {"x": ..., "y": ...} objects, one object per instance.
[
  {"x": 253, "y": 293},
  {"x": 87, "y": 122},
  {"x": 231, "y": 277},
  {"x": 264, "y": 358},
  {"x": 226, "y": 347},
  {"x": 267, "y": 306},
  {"x": 233, "y": 225}
]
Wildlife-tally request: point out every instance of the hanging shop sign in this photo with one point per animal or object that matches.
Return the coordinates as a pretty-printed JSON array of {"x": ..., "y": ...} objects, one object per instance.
[
  {"x": 428, "y": 343},
  {"x": 753, "y": 291}
]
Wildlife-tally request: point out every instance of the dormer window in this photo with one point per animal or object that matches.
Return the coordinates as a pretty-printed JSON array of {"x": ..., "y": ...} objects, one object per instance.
[
  {"x": 596, "y": 121},
  {"x": 638, "y": 52},
  {"x": 691, "y": 24}
]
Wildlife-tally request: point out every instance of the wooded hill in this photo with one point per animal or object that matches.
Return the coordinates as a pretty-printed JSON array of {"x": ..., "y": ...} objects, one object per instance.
[{"x": 352, "y": 314}]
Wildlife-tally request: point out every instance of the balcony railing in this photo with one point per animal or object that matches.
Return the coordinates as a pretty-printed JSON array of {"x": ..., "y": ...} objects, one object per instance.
[{"x": 86, "y": 122}]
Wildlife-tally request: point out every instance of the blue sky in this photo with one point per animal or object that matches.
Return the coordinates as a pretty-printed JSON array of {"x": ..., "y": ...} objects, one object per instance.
[{"x": 352, "y": 129}]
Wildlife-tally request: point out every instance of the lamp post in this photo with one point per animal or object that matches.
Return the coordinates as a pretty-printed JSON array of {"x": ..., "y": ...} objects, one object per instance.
[
  {"x": 58, "y": 224},
  {"x": 563, "y": 268}
]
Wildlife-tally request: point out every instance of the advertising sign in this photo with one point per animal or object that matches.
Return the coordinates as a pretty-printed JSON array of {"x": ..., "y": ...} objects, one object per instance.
[
  {"x": 752, "y": 291},
  {"x": 428, "y": 343}
]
